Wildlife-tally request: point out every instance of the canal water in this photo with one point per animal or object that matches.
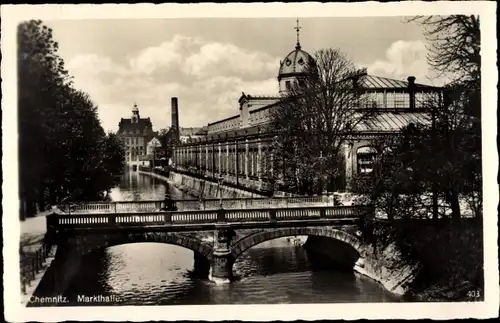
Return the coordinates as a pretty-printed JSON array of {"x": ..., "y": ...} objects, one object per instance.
[{"x": 274, "y": 272}]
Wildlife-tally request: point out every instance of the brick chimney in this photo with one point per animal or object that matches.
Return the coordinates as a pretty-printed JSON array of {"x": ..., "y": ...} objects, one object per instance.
[
  {"x": 411, "y": 91},
  {"x": 175, "y": 118}
]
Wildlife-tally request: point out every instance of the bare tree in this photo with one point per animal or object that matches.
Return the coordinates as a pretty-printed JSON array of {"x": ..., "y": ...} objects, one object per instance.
[
  {"x": 454, "y": 46},
  {"x": 314, "y": 120},
  {"x": 442, "y": 158},
  {"x": 454, "y": 51}
]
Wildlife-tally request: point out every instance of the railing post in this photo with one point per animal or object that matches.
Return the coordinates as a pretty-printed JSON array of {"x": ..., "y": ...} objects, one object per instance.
[
  {"x": 40, "y": 259},
  {"x": 115, "y": 207},
  {"x": 51, "y": 221},
  {"x": 112, "y": 218},
  {"x": 23, "y": 283},
  {"x": 272, "y": 215},
  {"x": 33, "y": 272},
  {"x": 37, "y": 260},
  {"x": 34, "y": 269},
  {"x": 221, "y": 216},
  {"x": 322, "y": 213},
  {"x": 167, "y": 217}
]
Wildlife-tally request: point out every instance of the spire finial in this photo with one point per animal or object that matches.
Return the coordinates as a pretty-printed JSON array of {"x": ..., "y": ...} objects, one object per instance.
[{"x": 297, "y": 28}]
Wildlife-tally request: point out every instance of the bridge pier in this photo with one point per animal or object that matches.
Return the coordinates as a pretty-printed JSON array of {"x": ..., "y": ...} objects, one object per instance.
[{"x": 221, "y": 269}]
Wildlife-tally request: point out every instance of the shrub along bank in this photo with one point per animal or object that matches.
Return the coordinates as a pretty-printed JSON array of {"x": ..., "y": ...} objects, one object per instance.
[{"x": 448, "y": 256}]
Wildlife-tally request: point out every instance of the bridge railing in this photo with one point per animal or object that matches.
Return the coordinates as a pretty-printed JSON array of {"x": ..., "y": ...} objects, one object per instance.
[
  {"x": 204, "y": 217},
  {"x": 193, "y": 205}
]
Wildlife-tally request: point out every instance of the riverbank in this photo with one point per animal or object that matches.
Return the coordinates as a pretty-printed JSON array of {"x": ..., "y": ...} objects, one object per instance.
[
  {"x": 378, "y": 266},
  {"x": 35, "y": 256},
  {"x": 33, "y": 231},
  {"x": 448, "y": 257}
]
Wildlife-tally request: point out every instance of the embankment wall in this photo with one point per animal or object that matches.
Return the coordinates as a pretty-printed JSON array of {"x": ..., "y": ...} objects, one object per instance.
[
  {"x": 383, "y": 266},
  {"x": 59, "y": 274},
  {"x": 206, "y": 189}
]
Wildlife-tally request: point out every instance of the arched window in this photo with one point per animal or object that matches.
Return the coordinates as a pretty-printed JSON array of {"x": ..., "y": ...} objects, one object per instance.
[{"x": 366, "y": 158}]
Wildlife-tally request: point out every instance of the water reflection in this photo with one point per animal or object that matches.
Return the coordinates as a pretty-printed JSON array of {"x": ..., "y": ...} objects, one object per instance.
[
  {"x": 149, "y": 273},
  {"x": 135, "y": 186}
]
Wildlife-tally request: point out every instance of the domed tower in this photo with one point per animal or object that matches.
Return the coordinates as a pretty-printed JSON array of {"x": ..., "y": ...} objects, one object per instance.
[{"x": 294, "y": 67}]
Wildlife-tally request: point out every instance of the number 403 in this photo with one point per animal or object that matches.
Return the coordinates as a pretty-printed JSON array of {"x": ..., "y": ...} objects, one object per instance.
[{"x": 474, "y": 293}]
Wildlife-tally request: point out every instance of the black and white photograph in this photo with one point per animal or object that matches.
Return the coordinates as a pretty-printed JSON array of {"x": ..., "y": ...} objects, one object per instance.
[{"x": 331, "y": 162}]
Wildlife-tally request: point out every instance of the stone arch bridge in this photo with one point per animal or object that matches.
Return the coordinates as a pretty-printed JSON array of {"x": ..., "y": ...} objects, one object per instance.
[{"x": 217, "y": 237}]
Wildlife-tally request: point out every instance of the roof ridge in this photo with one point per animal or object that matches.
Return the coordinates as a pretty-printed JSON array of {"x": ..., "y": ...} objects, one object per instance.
[
  {"x": 271, "y": 96},
  {"x": 385, "y": 77},
  {"x": 395, "y": 79}
]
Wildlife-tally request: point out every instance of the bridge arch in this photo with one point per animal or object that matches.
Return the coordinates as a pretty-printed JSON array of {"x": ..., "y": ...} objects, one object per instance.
[
  {"x": 199, "y": 247},
  {"x": 246, "y": 243}
]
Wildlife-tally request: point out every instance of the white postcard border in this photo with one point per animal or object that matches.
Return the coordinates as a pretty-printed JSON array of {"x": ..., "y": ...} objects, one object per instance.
[{"x": 15, "y": 312}]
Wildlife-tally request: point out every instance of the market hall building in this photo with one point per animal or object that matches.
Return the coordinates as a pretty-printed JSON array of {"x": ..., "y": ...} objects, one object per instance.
[{"x": 235, "y": 150}]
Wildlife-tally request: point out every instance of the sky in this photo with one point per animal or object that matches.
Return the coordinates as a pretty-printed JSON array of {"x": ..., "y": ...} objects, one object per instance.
[{"x": 208, "y": 62}]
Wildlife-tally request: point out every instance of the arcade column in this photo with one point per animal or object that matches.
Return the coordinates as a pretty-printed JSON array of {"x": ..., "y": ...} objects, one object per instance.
[
  {"x": 228, "y": 168},
  {"x": 206, "y": 158},
  {"x": 219, "y": 162},
  {"x": 246, "y": 158},
  {"x": 259, "y": 160}
]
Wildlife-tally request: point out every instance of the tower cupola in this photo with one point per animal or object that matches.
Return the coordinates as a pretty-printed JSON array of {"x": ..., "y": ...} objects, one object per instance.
[
  {"x": 295, "y": 66},
  {"x": 135, "y": 114}
]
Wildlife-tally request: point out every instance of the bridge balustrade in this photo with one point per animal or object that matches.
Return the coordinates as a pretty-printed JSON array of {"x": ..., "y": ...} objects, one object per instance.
[
  {"x": 340, "y": 212},
  {"x": 141, "y": 218},
  {"x": 192, "y": 205},
  {"x": 194, "y": 218},
  {"x": 189, "y": 205},
  {"x": 138, "y": 206},
  {"x": 292, "y": 214},
  {"x": 207, "y": 217},
  {"x": 247, "y": 216}
]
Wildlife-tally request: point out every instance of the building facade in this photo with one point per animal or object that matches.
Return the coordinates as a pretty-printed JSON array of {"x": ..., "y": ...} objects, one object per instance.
[
  {"x": 152, "y": 146},
  {"x": 135, "y": 133},
  {"x": 187, "y": 135},
  {"x": 236, "y": 149}
]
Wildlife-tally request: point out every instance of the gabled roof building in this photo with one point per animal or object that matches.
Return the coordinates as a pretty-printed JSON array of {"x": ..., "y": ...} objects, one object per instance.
[{"x": 135, "y": 133}]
